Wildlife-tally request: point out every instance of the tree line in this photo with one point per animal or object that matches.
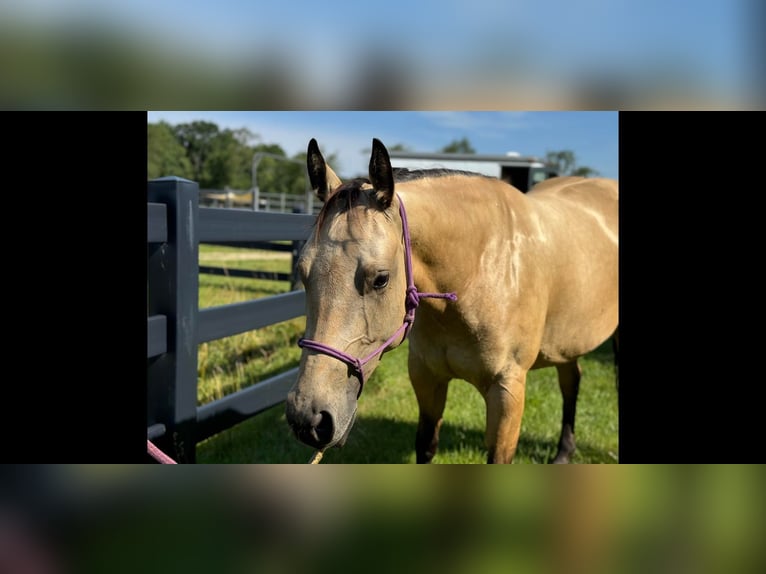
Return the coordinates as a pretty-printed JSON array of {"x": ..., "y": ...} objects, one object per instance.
[{"x": 222, "y": 158}]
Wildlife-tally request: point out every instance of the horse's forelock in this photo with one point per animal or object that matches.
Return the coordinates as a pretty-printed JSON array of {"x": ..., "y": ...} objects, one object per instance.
[{"x": 344, "y": 198}]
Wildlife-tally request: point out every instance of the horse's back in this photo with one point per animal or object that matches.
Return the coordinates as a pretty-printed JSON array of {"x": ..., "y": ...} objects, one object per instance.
[
  {"x": 580, "y": 216},
  {"x": 566, "y": 201},
  {"x": 576, "y": 187}
]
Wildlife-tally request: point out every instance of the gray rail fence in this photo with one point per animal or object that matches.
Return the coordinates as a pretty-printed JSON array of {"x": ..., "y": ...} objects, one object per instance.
[{"x": 176, "y": 225}]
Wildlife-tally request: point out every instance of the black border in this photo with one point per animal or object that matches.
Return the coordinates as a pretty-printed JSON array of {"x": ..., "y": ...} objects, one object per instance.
[
  {"x": 689, "y": 219},
  {"x": 79, "y": 394}
]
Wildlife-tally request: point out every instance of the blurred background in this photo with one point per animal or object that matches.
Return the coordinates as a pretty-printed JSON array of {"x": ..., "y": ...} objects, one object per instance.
[
  {"x": 288, "y": 519},
  {"x": 231, "y": 54},
  {"x": 90, "y": 54}
]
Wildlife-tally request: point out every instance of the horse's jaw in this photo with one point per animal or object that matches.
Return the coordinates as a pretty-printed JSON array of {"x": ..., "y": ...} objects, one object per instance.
[{"x": 342, "y": 440}]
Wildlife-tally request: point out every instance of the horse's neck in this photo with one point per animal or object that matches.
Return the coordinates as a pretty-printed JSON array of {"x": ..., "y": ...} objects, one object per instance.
[{"x": 450, "y": 226}]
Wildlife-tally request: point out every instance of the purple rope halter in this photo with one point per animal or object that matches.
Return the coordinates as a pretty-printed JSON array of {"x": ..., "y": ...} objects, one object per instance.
[{"x": 412, "y": 300}]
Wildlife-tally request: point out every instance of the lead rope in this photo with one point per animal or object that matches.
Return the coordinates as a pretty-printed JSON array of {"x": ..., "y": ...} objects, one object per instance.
[
  {"x": 157, "y": 454},
  {"x": 412, "y": 297},
  {"x": 316, "y": 457}
]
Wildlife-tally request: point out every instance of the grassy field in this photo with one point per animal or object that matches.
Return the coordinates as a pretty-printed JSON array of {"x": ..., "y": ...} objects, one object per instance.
[{"x": 384, "y": 431}]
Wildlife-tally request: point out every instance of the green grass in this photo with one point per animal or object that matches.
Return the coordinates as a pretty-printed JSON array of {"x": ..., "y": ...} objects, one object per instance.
[{"x": 384, "y": 431}]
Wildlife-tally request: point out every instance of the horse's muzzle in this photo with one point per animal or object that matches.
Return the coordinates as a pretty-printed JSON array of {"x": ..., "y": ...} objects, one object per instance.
[
  {"x": 313, "y": 429},
  {"x": 316, "y": 428}
]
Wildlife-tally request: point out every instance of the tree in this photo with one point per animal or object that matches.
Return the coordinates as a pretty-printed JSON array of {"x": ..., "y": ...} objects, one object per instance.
[
  {"x": 563, "y": 160},
  {"x": 278, "y": 175},
  {"x": 565, "y": 163},
  {"x": 196, "y": 138},
  {"x": 229, "y": 161},
  {"x": 282, "y": 176},
  {"x": 165, "y": 155},
  {"x": 585, "y": 171},
  {"x": 217, "y": 159},
  {"x": 458, "y": 146}
]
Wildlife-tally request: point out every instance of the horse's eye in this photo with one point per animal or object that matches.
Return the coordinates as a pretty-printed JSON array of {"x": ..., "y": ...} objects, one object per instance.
[{"x": 380, "y": 281}]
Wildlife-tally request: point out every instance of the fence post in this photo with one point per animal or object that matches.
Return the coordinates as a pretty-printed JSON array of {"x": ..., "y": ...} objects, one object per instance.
[{"x": 173, "y": 291}]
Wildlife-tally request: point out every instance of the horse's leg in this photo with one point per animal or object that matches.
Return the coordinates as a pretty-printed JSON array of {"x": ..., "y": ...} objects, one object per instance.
[
  {"x": 569, "y": 382},
  {"x": 505, "y": 406},
  {"x": 431, "y": 392}
]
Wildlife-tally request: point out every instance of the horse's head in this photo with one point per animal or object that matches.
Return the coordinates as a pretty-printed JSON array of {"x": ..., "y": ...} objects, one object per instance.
[{"x": 354, "y": 273}]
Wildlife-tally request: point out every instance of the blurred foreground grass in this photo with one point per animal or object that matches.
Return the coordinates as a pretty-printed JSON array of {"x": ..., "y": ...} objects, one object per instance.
[{"x": 278, "y": 519}]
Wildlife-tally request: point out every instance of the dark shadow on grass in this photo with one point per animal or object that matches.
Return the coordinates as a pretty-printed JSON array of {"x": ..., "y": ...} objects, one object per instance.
[
  {"x": 383, "y": 441},
  {"x": 604, "y": 353},
  {"x": 538, "y": 450},
  {"x": 375, "y": 440},
  {"x": 266, "y": 439}
]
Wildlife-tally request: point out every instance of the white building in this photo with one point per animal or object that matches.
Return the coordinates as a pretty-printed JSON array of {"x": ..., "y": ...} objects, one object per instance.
[{"x": 521, "y": 172}]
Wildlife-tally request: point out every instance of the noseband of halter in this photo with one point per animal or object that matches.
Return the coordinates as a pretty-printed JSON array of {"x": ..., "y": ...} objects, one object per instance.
[{"x": 412, "y": 300}]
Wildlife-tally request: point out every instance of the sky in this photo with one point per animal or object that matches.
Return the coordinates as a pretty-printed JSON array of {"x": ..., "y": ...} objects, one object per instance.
[{"x": 593, "y": 136}]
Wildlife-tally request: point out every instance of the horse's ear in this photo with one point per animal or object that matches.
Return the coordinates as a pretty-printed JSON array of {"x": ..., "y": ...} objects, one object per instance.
[
  {"x": 323, "y": 179},
  {"x": 381, "y": 174}
]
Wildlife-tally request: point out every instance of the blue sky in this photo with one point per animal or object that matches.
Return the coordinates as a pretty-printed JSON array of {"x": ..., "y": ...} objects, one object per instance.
[{"x": 593, "y": 136}]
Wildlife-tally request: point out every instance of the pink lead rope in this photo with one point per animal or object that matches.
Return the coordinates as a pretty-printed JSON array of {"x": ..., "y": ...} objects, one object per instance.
[
  {"x": 157, "y": 454},
  {"x": 412, "y": 301}
]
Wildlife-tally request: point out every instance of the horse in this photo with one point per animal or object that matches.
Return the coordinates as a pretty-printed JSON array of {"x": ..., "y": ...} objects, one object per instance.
[{"x": 503, "y": 282}]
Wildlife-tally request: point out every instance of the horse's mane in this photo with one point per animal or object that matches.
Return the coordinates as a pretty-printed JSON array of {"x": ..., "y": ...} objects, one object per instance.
[
  {"x": 347, "y": 195},
  {"x": 403, "y": 174}
]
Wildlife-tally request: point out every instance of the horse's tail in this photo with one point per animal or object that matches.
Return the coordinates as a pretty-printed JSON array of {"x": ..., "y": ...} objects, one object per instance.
[{"x": 616, "y": 349}]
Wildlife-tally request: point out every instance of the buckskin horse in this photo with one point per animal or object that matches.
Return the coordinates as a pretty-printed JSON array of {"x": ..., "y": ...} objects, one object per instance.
[{"x": 503, "y": 282}]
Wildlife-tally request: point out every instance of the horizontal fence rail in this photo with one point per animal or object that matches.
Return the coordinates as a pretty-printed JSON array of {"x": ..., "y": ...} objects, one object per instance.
[
  {"x": 241, "y": 226},
  {"x": 235, "y": 318},
  {"x": 176, "y": 225}
]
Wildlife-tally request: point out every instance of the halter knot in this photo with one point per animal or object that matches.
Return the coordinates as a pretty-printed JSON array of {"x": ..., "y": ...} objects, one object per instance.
[{"x": 412, "y": 299}]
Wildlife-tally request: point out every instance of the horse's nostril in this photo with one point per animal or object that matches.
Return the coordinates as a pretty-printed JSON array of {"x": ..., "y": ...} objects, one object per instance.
[{"x": 324, "y": 429}]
